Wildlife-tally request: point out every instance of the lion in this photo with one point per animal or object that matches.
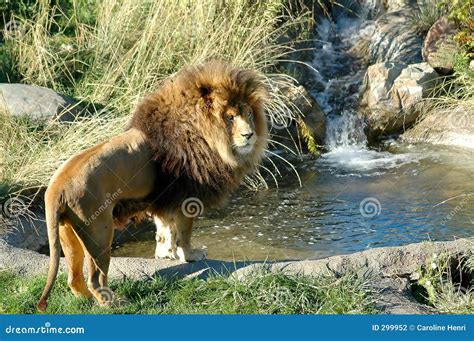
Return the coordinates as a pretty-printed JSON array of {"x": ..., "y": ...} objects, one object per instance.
[{"x": 195, "y": 138}]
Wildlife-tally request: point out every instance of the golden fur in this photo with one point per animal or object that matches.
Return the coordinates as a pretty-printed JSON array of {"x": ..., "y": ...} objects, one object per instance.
[{"x": 194, "y": 138}]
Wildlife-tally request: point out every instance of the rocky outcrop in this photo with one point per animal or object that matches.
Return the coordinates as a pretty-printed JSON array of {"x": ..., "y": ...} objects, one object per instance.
[
  {"x": 395, "y": 39},
  {"x": 37, "y": 103},
  {"x": 392, "y": 92},
  {"x": 439, "y": 47},
  {"x": 452, "y": 126}
]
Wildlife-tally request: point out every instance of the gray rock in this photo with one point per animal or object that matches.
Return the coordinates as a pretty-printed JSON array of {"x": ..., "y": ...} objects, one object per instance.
[
  {"x": 302, "y": 104},
  {"x": 37, "y": 103},
  {"x": 439, "y": 47},
  {"x": 395, "y": 297},
  {"x": 395, "y": 39},
  {"x": 313, "y": 115},
  {"x": 391, "y": 95},
  {"x": 452, "y": 126}
]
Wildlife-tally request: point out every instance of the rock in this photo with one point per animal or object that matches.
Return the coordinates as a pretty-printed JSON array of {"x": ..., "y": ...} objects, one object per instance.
[
  {"x": 395, "y": 5},
  {"x": 37, "y": 103},
  {"x": 471, "y": 64},
  {"x": 453, "y": 126},
  {"x": 391, "y": 94},
  {"x": 395, "y": 39},
  {"x": 439, "y": 47},
  {"x": 285, "y": 129},
  {"x": 395, "y": 298},
  {"x": 314, "y": 116}
]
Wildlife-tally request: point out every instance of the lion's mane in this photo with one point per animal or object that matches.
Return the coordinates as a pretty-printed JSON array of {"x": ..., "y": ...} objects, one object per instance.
[{"x": 185, "y": 129}]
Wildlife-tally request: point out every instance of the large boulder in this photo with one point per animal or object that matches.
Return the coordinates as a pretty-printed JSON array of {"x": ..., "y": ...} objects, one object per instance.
[
  {"x": 452, "y": 125},
  {"x": 395, "y": 38},
  {"x": 37, "y": 103},
  {"x": 391, "y": 95},
  {"x": 439, "y": 47}
]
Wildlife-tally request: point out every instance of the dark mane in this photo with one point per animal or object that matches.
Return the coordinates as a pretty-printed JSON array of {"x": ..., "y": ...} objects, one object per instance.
[{"x": 185, "y": 130}]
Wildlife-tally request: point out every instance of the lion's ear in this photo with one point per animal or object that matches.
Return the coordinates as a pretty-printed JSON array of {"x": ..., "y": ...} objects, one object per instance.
[{"x": 204, "y": 91}]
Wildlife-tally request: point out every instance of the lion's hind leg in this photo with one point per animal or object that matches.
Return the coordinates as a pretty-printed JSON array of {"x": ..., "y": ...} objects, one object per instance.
[
  {"x": 74, "y": 253},
  {"x": 97, "y": 240}
]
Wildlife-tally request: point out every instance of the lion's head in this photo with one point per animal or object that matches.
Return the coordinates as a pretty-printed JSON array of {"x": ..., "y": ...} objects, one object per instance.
[{"x": 206, "y": 122}]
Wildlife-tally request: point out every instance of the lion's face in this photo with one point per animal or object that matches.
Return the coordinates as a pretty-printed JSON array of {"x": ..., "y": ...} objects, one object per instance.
[{"x": 240, "y": 121}]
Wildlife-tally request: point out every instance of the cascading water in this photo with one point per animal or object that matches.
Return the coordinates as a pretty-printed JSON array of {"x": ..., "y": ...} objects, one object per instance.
[{"x": 337, "y": 81}]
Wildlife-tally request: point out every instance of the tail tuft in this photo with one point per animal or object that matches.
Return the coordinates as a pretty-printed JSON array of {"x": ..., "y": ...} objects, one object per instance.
[{"x": 42, "y": 305}]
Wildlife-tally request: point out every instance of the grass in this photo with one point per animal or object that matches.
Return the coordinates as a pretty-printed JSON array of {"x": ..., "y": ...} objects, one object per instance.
[
  {"x": 448, "y": 284},
  {"x": 429, "y": 11},
  {"x": 116, "y": 52},
  {"x": 261, "y": 293}
]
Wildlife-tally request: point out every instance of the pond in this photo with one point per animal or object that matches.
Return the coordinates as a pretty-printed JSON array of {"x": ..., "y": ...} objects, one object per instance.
[{"x": 350, "y": 200}]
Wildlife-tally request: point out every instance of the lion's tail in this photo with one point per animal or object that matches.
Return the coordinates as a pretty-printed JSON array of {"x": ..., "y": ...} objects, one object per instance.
[{"x": 53, "y": 207}]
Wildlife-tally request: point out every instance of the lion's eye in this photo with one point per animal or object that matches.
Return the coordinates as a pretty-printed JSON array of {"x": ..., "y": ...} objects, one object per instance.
[
  {"x": 230, "y": 118},
  {"x": 249, "y": 114}
]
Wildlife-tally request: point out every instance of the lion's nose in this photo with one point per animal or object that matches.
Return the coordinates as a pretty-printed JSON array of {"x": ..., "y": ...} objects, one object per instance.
[{"x": 247, "y": 135}]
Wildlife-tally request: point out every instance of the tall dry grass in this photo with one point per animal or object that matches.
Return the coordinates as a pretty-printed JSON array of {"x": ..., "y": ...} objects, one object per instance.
[{"x": 125, "y": 51}]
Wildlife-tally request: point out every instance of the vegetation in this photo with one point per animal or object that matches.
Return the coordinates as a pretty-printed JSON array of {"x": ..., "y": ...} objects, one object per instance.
[
  {"x": 113, "y": 52},
  {"x": 450, "y": 106},
  {"x": 462, "y": 12},
  {"x": 447, "y": 284},
  {"x": 261, "y": 293},
  {"x": 428, "y": 12}
]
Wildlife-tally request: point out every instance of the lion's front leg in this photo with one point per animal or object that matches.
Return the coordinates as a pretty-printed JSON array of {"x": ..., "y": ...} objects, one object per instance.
[
  {"x": 184, "y": 227},
  {"x": 166, "y": 245}
]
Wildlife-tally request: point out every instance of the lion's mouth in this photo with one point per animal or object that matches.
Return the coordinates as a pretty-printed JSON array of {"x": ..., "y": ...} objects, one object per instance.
[{"x": 245, "y": 149}]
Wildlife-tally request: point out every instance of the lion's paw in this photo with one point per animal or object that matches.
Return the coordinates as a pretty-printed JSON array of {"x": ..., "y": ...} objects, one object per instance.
[
  {"x": 165, "y": 252},
  {"x": 193, "y": 255}
]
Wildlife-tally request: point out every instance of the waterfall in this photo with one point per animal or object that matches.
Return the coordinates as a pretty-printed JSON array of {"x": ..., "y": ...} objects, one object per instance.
[{"x": 336, "y": 86}]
